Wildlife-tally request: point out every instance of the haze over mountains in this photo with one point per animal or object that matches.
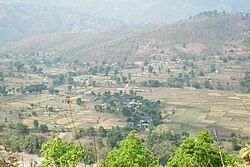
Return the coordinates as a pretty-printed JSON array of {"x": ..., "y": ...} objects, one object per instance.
[
  {"x": 18, "y": 21},
  {"x": 209, "y": 31},
  {"x": 69, "y": 26},
  {"x": 137, "y": 11}
]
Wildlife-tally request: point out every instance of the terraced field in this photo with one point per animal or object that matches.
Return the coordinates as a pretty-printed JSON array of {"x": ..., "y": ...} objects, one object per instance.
[{"x": 206, "y": 109}]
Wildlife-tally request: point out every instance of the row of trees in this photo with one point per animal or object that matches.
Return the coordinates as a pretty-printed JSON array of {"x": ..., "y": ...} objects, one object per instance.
[
  {"x": 16, "y": 138},
  {"x": 197, "y": 151},
  {"x": 151, "y": 83},
  {"x": 183, "y": 79},
  {"x": 33, "y": 88},
  {"x": 22, "y": 129}
]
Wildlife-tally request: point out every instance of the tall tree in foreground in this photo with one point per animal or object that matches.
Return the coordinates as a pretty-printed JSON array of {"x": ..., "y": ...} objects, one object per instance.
[
  {"x": 201, "y": 151},
  {"x": 131, "y": 152},
  {"x": 59, "y": 153}
]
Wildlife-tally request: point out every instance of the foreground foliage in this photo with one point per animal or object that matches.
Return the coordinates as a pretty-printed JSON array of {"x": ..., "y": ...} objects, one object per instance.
[
  {"x": 60, "y": 154},
  {"x": 201, "y": 151},
  {"x": 131, "y": 152},
  {"x": 245, "y": 153}
]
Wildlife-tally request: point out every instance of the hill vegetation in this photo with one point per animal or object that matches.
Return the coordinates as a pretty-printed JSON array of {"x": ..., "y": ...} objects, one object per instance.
[
  {"x": 203, "y": 34},
  {"x": 18, "y": 21},
  {"x": 199, "y": 151}
]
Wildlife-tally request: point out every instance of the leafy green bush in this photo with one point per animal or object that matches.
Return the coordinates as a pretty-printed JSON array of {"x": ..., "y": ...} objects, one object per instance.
[
  {"x": 201, "y": 151},
  {"x": 59, "y": 153},
  {"x": 131, "y": 152}
]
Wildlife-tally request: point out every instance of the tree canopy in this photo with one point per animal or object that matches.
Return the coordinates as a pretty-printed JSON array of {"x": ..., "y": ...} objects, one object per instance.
[
  {"x": 131, "y": 152},
  {"x": 59, "y": 153},
  {"x": 201, "y": 151}
]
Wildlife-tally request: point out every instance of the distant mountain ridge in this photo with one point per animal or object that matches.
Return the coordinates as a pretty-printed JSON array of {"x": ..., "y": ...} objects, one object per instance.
[
  {"x": 152, "y": 11},
  {"x": 19, "y": 21},
  {"x": 160, "y": 11},
  {"x": 207, "y": 32}
]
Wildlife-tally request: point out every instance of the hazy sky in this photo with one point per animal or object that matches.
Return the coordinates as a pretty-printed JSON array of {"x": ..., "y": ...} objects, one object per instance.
[{"x": 144, "y": 10}]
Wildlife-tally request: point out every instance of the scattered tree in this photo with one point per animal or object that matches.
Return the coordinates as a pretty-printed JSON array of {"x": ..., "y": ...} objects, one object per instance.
[
  {"x": 213, "y": 68},
  {"x": 43, "y": 128},
  {"x": 245, "y": 82},
  {"x": 207, "y": 84},
  {"x": 70, "y": 88},
  {"x": 35, "y": 124},
  {"x": 150, "y": 69},
  {"x": 22, "y": 128}
]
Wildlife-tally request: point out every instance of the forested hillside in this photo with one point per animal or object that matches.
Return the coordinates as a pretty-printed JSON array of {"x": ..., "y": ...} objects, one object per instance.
[
  {"x": 207, "y": 31},
  {"x": 18, "y": 21}
]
